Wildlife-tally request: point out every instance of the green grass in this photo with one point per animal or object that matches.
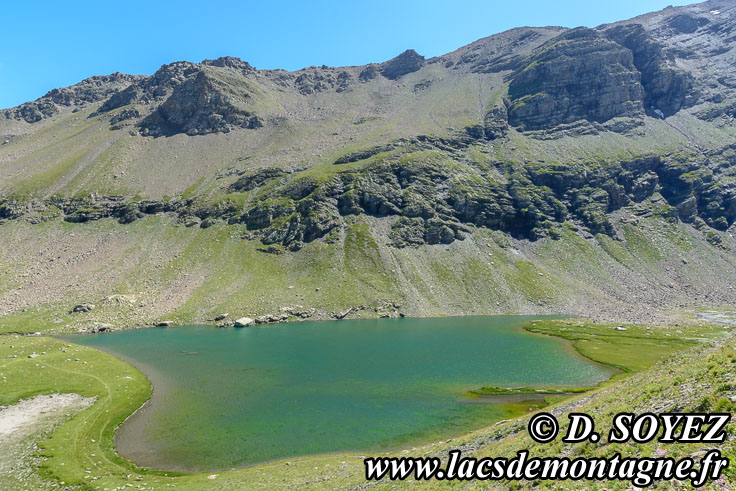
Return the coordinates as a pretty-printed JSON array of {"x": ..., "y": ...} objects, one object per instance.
[
  {"x": 35, "y": 319},
  {"x": 533, "y": 283},
  {"x": 118, "y": 387},
  {"x": 694, "y": 380},
  {"x": 637, "y": 348},
  {"x": 191, "y": 190},
  {"x": 637, "y": 241},
  {"x": 48, "y": 177}
]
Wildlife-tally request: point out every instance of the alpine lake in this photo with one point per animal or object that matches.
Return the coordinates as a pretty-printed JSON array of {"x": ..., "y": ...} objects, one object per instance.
[{"x": 233, "y": 397}]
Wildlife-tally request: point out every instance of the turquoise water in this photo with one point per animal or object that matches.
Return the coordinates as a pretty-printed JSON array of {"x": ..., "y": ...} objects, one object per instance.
[{"x": 232, "y": 397}]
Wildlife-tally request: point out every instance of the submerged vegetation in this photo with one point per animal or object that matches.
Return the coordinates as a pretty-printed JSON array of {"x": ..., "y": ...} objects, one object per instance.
[{"x": 512, "y": 391}]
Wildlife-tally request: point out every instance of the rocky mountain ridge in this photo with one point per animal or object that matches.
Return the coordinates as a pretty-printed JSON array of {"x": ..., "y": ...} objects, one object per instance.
[
  {"x": 554, "y": 76},
  {"x": 538, "y": 141}
]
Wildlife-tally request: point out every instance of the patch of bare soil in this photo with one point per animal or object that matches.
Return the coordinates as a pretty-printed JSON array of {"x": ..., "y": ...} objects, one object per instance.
[{"x": 22, "y": 426}]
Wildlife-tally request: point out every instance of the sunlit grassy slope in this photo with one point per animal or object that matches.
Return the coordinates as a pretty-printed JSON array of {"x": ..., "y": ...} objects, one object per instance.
[{"x": 156, "y": 269}]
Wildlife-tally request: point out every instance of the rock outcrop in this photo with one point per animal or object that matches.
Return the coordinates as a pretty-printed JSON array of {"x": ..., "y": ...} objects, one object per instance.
[
  {"x": 666, "y": 88},
  {"x": 313, "y": 79},
  {"x": 580, "y": 74},
  {"x": 231, "y": 62},
  {"x": 88, "y": 91},
  {"x": 151, "y": 89},
  {"x": 407, "y": 62},
  {"x": 185, "y": 97},
  {"x": 83, "y": 307},
  {"x": 258, "y": 178},
  {"x": 432, "y": 200},
  {"x": 200, "y": 105}
]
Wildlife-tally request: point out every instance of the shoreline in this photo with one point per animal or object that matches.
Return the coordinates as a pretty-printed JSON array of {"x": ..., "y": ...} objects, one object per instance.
[
  {"x": 666, "y": 316},
  {"x": 512, "y": 404},
  {"x": 262, "y": 466}
]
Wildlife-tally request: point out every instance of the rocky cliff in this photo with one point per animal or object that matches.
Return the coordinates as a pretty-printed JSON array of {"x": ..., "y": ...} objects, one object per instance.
[{"x": 578, "y": 75}]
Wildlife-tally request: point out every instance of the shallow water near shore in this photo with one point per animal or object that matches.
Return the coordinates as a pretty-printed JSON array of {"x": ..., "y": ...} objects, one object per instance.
[{"x": 231, "y": 397}]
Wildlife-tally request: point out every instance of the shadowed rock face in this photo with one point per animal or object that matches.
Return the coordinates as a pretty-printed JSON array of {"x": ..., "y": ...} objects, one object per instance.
[
  {"x": 686, "y": 24},
  {"x": 578, "y": 75},
  {"x": 432, "y": 203},
  {"x": 189, "y": 98},
  {"x": 407, "y": 62},
  {"x": 666, "y": 87},
  {"x": 200, "y": 106},
  {"x": 156, "y": 87}
]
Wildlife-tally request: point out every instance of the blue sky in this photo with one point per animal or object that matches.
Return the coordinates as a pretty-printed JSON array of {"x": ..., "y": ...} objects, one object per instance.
[{"x": 49, "y": 44}]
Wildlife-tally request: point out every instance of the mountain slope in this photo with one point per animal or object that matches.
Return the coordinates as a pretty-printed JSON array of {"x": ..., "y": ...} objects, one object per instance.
[{"x": 585, "y": 171}]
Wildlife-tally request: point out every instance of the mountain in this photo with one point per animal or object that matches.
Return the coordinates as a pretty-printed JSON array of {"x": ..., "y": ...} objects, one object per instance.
[{"x": 541, "y": 170}]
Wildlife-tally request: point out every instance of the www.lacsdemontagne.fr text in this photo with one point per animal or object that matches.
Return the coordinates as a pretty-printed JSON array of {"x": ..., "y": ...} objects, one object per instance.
[
  {"x": 641, "y": 471},
  {"x": 543, "y": 428}
]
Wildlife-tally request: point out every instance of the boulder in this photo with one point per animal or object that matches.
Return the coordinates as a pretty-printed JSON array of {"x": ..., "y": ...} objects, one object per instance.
[
  {"x": 257, "y": 178},
  {"x": 101, "y": 327},
  {"x": 165, "y": 323},
  {"x": 304, "y": 314},
  {"x": 297, "y": 311},
  {"x": 342, "y": 315},
  {"x": 244, "y": 322},
  {"x": 84, "y": 307},
  {"x": 269, "y": 318},
  {"x": 221, "y": 317}
]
